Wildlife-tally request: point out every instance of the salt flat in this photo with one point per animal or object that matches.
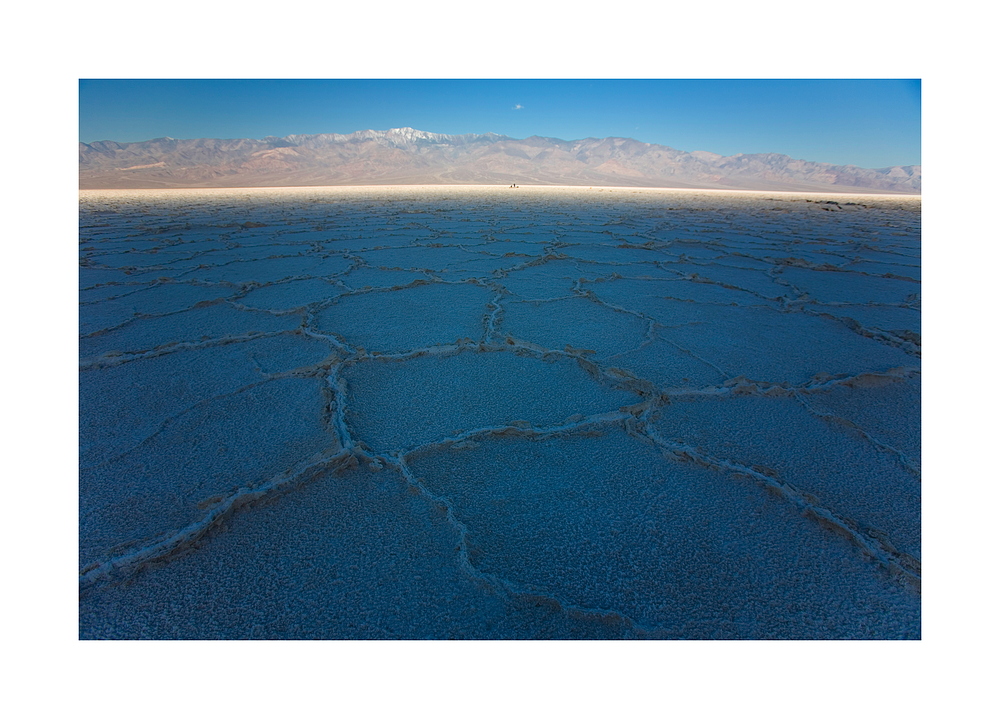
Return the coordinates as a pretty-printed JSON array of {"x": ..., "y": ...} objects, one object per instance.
[{"x": 499, "y": 413}]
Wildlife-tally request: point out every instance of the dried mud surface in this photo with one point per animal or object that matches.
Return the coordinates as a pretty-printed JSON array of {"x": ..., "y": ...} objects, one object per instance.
[{"x": 499, "y": 413}]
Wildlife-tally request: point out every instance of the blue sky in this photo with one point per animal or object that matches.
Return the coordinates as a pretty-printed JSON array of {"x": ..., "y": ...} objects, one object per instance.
[{"x": 869, "y": 123}]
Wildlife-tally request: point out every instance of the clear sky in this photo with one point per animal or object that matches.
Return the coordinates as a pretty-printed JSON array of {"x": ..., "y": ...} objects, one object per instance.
[{"x": 869, "y": 123}]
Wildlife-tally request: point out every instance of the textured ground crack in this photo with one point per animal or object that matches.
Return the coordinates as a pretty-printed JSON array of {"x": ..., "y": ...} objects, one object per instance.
[
  {"x": 873, "y": 544},
  {"x": 122, "y": 566}
]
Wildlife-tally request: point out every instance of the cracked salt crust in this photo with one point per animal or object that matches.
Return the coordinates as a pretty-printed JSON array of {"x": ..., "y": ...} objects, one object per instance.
[{"x": 489, "y": 413}]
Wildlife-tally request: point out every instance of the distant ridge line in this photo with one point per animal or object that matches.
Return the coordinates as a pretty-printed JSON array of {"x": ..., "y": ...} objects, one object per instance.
[{"x": 407, "y": 156}]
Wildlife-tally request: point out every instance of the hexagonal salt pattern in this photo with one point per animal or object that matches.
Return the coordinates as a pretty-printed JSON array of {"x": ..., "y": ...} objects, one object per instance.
[{"x": 498, "y": 413}]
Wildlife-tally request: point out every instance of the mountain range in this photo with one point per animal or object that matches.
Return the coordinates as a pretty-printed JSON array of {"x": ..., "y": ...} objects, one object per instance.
[{"x": 404, "y": 156}]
